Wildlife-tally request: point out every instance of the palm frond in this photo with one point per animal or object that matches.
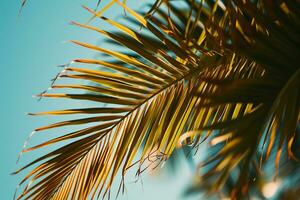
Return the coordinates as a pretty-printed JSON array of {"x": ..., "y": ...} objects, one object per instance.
[
  {"x": 223, "y": 70},
  {"x": 154, "y": 103}
]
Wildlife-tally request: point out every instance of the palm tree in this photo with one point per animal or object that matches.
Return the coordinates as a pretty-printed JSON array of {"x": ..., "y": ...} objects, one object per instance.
[{"x": 222, "y": 71}]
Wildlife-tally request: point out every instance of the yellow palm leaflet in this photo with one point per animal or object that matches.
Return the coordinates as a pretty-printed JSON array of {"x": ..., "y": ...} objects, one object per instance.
[
  {"x": 85, "y": 111},
  {"x": 111, "y": 92},
  {"x": 93, "y": 97},
  {"x": 107, "y": 82},
  {"x": 80, "y": 121},
  {"x": 112, "y": 76}
]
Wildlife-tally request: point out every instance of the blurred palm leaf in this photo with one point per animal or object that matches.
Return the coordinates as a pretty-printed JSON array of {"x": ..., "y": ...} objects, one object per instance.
[{"x": 227, "y": 71}]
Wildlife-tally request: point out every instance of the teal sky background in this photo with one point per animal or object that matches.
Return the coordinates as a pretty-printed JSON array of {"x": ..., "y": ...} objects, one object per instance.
[{"x": 32, "y": 45}]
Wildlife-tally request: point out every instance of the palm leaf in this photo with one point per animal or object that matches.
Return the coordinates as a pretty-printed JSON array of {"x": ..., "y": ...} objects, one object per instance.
[
  {"x": 219, "y": 66},
  {"x": 157, "y": 101}
]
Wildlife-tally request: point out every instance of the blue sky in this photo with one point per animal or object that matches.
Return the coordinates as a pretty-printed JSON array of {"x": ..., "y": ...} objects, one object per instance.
[{"x": 32, "y": 45}]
